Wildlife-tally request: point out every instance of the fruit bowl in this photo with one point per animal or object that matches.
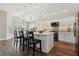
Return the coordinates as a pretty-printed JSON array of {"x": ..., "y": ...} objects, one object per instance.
[{"x": 40, "y": 31}]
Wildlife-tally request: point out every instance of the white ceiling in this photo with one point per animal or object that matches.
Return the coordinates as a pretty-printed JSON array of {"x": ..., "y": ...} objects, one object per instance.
[{"x": 37, "y": 11}]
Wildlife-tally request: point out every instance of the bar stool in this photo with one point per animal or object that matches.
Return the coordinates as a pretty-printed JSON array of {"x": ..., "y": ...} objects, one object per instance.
[
  {"x": 32, "y": 42},
  {"x": 23, "y": 40}
]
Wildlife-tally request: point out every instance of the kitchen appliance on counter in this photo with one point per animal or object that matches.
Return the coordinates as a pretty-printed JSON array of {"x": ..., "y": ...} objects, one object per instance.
[{"x": 55, "y": 28}]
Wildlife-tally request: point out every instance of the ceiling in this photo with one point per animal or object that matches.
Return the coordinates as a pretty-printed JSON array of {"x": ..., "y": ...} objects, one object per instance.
[{"x": 40, "y": 11}]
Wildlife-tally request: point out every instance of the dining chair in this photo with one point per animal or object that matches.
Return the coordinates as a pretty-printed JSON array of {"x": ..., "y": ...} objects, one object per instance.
[
  {"x": 32, "y": 42},
  {"x": 23, "y": 40},
  {"x": 16, "y": 37}
]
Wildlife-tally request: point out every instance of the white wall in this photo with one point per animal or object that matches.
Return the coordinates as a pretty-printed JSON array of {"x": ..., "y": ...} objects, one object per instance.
[
  {"x": 67, "y": 36},
  {"x": 13, "y": 21},
  {"x": 9, "y": 26},
  {"x": 67, "y": 22},
  {"x": 3, "y": 25}
]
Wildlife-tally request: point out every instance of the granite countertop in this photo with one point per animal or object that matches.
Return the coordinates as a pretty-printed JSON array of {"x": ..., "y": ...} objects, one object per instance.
[{"x": 44, "y": 33}]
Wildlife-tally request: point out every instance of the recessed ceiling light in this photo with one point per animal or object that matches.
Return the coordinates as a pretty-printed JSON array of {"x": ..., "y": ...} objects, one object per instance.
[
  {"x": 75, "y": 3},
  {"x": 36, "y": 7},
  {"x": 24, "y": 6},
  {"x": 30, "y": 3},
  {"x": 45, "y": 15},
  {"x": 18, "y": 9},
  {"x": 64, "y": 11},
  {"x": 53, "y": 13},
  {"x": 23, "y": 15}
]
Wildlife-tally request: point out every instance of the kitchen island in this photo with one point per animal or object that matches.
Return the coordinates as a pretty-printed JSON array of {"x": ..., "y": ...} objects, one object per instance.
[{"x": 47, "y": 40}]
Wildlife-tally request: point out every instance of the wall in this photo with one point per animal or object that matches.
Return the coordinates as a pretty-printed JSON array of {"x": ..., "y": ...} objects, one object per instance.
[
  {"x": 19, "y": 23},
  {"x": 67, "y": 36},
  {"x": 62, "y": 22},
  {"x": 67, "y": 22},
  {"x": 8, "y": 23},
  {"x": 13, "y": 22},
  {"x": 3, "y": 25},
  {"x": 9, "y": 26}
]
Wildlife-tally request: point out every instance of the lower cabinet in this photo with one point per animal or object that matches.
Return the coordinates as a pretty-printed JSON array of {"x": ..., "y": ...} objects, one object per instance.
[{"x": 66, "y": 37}]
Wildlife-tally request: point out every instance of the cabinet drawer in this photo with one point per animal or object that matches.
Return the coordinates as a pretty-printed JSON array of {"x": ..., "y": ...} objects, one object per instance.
[{"x": 66, "y": 37}]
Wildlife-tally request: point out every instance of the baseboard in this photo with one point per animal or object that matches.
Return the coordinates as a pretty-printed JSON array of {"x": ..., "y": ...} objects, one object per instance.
[
  {"x": 67, "y": 42},
  {"x": 9, "y": 37},
  {"x": 2, "y": 39},
  {"x": 6, "y": 38}
]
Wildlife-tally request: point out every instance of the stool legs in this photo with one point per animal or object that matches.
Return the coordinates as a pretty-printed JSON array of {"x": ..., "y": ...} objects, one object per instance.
[
  {"x": 33, "y": 49},
  {"x": 40, "y": 48}
]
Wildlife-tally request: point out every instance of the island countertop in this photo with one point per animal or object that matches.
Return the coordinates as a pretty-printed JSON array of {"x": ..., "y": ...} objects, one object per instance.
[
  {"x": 46, "y": 39},
  {"x": 44, "y": 33}
]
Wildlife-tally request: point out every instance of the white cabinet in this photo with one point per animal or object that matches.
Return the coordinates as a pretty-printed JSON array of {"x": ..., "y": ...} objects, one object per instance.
[
  {"x": 61, "y": 36},
  {"x": 47, "y": 41},
  {"x": 66, "y": 37}
]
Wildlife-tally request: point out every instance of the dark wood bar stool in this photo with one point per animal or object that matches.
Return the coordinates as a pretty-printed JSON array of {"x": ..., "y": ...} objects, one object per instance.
[
  {"x": 32, "y": 42},
  {"x": 23, "y": 40},
  {"x": 16, "y": 38}
]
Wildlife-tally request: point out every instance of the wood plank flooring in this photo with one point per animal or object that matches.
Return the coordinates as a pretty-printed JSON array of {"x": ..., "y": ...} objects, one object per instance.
[
  {"x": 63, "y": 49},
  {"x": 7, "y": 48}
]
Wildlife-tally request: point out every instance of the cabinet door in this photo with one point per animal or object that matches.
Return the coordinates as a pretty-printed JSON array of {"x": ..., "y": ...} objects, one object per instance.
[
  {"x": 66, "y": 37},
  {"x": 61, "y": 36},
  {"x": 69, "y": 37}
]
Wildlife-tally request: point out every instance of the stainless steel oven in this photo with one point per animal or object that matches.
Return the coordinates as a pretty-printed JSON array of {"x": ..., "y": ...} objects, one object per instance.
[{"x": 55, "y": 29}]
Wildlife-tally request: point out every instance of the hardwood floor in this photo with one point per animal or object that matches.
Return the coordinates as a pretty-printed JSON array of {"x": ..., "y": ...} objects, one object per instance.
[
  {"x": 63, "y": 49},
  {"x": 60, "y": 49}
]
